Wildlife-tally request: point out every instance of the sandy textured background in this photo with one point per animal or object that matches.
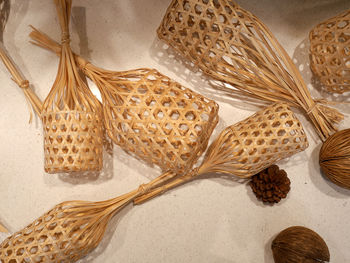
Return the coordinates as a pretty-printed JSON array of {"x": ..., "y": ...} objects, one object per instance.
[{"x": 210, "y": 220}]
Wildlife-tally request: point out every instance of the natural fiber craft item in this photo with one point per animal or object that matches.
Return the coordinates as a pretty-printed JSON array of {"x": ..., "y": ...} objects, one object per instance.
[
  {"x": 149, "y": 115},
  {"x": 246, "y": 148},
  {"x": 330, "y": 52},
  {"x": 3, "y": 229},
  {"x": 334, "y": 158},
  {"x": 299, "y": 244},
  {"x": 71, "y": 114},
  {"x": 20, "y": 81},
  {"x": 235, "y": 48},
  {"x": 67, "y": 232}
]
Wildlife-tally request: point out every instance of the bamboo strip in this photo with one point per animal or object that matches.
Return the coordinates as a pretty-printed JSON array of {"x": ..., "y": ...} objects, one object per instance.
[
  {"x": 21, "y": 82},
  {"x": 234, "y": 47}
]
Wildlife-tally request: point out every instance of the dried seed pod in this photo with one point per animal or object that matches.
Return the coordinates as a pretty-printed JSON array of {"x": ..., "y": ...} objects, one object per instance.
[
  {"x": 330, "y": 56},
  {"x": 271, "y": 184},
  {"x": 335, "y": 158},
  {"x": 299, "y": 244}
]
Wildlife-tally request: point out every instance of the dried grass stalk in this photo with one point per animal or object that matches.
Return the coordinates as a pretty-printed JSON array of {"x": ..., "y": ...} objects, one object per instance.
[
  {"x": 71, "y": 115},
  {"x": 330, "y": 52},
  {"x": 21, "y": 81},
  {"x": 234, "y": 47},
  {"x": 335, "y": 158},
  {"x": 149, "y": 115},
  {"x": 248, "y": 147},
  {"x": 67, "y": 232}
]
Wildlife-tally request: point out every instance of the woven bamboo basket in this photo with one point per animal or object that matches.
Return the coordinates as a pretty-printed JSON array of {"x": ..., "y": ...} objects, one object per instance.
[
  {"x": 71, "y": 115},
  {"x": 67, "y": 232},
  {"x": 149, "y": 115},
  {"x": 235, "y": 48},
  {"x": 73, "y": 229},
  {"x": 246, "y": 148},
  {"x": 330, "y": 52}
]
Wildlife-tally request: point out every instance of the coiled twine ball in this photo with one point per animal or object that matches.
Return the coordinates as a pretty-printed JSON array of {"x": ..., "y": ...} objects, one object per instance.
[
  {"x": 334, "y": 158},
  {"x": 299, "y": 244}
]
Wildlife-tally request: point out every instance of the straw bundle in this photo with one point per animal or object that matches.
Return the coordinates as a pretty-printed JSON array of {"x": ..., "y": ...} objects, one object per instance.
[
  {"x": 21, "y": 81},
  {"x": 235, "y": 48},
  {"x": 248, "y": 147},
  {"x": 71, "y": 114},
  {"x": 299, "y": 244},
  {"x": 149, "y": 115},
  {"x": 335, "y": 158},
  {"x": 67, "y": 232},
  {"x": 330, "y": 52}
]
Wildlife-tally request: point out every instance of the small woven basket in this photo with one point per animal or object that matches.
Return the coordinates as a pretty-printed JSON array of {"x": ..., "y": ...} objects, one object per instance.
[
  {"x": 71, "y": 115},
  {"x": 330, "y": 52},
  {"x": 158, "y": 120},
  {"x": 72, "y": 141}
]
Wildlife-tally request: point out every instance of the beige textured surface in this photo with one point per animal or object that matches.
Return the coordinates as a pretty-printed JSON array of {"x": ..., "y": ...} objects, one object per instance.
[{"x": 211, "y": 220}]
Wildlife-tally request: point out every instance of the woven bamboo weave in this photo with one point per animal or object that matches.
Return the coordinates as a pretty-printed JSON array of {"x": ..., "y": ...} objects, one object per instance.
[
  {"x": 67, "y": 232},
  {"x": 235, "y": 48},
  {"x": 246, "y": 148},
  {"x": 149, "y": 115},
  {"x": 71, "y": 114},
  {"x": 330, "y": 52}
]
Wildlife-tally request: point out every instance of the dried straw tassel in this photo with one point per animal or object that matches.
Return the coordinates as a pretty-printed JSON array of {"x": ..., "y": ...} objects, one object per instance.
[
  {"x": 67, "y": 232},
  {"x": 330, "y": 52},
  {"x": 234, "y": 47},
  {"x": 299, "y": 244},
  {"x": 247, "y": 147},
  {"x": 21, "y": 82},
  {"x": 71, "y": 115},
  {"x": 335, "y": 158},
  {"x": 149, "y": 115}
]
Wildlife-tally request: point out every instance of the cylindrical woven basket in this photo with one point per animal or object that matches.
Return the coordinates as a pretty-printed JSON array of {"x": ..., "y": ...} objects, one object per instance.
[
  {"x": 158, "y": 120},
  {"x": 72, "y": 141},
  {"x": 71, "y": 114},
  {"x": 330, "y": 52}
]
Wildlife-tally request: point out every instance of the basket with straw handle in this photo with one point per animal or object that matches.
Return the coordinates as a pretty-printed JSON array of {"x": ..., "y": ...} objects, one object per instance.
[
  {"x": 330, "y": 55},
  {"x": 149, "y": 115},
  {"x": 72, "y": 229},
  {"x": 235, "y": 48},
  {"x": 71, "y": 115},
  {"x": 247, "y": 147}
]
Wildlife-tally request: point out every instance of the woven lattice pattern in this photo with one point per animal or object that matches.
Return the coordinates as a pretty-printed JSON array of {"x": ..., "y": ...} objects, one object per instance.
[
  {"x": 257, "y": 142},
  {"x": 57, "y": 236},
  {"x": 72, "y": 141},
  {"x": 158, "y": 120},
  {"x": 330, "y": 52}
]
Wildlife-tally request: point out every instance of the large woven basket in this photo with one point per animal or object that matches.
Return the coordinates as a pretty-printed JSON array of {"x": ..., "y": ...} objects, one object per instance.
[
  {"x": 158, "y": 120},
  {"x": 330, "y": 52}
]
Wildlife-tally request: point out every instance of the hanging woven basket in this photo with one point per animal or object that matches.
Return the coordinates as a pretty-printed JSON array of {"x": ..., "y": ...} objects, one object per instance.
[{"x": 330, "y": 52}]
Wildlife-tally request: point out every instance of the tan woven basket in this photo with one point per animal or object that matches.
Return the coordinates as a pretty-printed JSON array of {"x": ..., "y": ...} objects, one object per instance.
[
  {"x": 149, "y": 115},
  {"x": 235, "y": 48},
  {"x": 330, "y": 52},
  {"x": 246, "y": 148},
  {"x": 71, "y": 114}
]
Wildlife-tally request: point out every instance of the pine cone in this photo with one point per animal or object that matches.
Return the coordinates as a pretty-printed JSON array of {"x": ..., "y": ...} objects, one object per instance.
[{"x": 271, "y": 184}]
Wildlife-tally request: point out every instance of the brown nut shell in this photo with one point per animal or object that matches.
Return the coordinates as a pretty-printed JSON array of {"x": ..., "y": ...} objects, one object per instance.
[{"x": 299, "y": 244}]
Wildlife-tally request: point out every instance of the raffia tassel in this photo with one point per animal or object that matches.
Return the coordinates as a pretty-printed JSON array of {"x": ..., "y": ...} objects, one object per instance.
[
  {"x": 247, "y": 147},
  {"x": 149, "y": 115},
  {"x": 71, "y": 114},
  {"x": 234, "y": 47}
]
